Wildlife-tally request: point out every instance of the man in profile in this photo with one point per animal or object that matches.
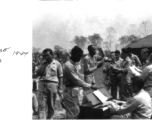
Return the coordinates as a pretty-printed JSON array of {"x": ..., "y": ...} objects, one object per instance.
[{"x": 73, "y": 82}]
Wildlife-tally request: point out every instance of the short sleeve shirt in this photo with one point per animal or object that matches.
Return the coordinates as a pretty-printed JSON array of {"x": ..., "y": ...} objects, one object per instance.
[{"x": 51, "y": 71}]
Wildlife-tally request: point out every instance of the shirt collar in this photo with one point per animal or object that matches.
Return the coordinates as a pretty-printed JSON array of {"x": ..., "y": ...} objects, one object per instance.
[{"x": 72, "y": 62}]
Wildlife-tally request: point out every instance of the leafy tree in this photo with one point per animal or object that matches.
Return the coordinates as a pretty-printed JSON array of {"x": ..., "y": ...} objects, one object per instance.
[
  {"x": 95, "y": 39},
  {"x": 132, "y": 30},
  {"x": 125, "y": 40},
  {"x": 80, "y": 41},
  {"x": 60, "y": 53},
  {"x": 117, "y": 46},
  {"x": 145, "y": 28},
  {"x": 110, "y": 35},
  {"x": 106, "y": 45}
]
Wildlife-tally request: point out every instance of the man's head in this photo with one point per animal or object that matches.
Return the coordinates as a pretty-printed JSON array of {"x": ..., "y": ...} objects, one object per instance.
[
  {"x": 117, "y": 54},
  {"x": 137, "y": 84},
  {"x": 144, "y": 54},
  {"x": 112, "y": 56},
  {"x": 48, "y": 55},
  {"x": 129, "y": 52},
  {"x": 124, "y": 53},
  {"x": 92, "y": 50},
  {"x": 76, "y": 54}
]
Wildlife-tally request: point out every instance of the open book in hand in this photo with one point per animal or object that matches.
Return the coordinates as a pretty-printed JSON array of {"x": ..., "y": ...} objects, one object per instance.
[{"x": 100, "y": 96}]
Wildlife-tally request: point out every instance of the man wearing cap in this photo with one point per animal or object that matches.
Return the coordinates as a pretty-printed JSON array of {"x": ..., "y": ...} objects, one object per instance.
[
  {"x": 73, "y": 82},
  {"x": 144, "y": 56},
  {"x": 51, "y": 78}
]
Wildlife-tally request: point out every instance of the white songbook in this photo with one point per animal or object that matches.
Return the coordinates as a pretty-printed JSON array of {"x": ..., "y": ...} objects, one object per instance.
[
  {"x": 100, "y": 96},
  {"x": 134, "y": 70}
]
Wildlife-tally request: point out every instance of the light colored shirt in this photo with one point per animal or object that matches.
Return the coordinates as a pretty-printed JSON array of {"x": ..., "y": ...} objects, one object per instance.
[
  {"x": 51, "y": 71},
  {"x": 140, "y": 106},
  {"x": 135, "y": 60},
  {"x": 118, "y": 62},
  {"x": 71, "y": 76},
  {"x": 147, "y": 76},
  {"x": 90, "y": 65},
  {"x": 125, "y": 64}
]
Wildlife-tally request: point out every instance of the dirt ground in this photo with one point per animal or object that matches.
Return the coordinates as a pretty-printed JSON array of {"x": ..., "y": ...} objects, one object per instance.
[{"x": 59, "y": 111}]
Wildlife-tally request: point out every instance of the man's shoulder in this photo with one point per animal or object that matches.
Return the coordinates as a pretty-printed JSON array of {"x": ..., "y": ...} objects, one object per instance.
[
  {"x": 68, "y": 64},
  {"x": 56, "y": 61},
  {"x": 141, "y": 96},
  {"x": 87, "y": 57}
]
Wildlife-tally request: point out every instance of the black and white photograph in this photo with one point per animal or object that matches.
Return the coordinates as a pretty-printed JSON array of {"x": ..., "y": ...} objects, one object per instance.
[{"x": 91, "y": 59}]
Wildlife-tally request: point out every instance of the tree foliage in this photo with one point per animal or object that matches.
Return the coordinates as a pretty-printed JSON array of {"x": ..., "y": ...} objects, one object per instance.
[
  {"x": 95, "y": 39},
  {"x": 80, "y": 41},
  {"x": 60, "y": 53},
  {"x": 145, "y": 28},
  {"x": 125, "y": 40},
  {"x": 110, "y": 35}
]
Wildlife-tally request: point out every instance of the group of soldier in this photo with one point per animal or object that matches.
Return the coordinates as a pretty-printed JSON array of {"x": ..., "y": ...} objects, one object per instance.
[{"x": 66, "y": 81}]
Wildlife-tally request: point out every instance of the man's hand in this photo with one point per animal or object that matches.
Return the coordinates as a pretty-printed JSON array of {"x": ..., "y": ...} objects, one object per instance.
[
  {"x": 60, "y": 92},
  {"x": 119, "y": 102},
  {"x": 94, "y": 87}
]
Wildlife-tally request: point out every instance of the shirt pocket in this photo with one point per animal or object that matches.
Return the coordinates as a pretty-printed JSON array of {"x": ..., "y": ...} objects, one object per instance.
[
  {"x": 53, "y": 70},
  {"x": 75, "y": 92}
]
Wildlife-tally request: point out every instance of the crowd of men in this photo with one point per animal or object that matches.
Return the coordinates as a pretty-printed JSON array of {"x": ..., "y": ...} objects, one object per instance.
[{"x": 135, "y": 92}]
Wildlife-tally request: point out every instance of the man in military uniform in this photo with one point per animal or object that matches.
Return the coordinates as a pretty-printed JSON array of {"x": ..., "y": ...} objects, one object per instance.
[{"x": 51, "y": 78}]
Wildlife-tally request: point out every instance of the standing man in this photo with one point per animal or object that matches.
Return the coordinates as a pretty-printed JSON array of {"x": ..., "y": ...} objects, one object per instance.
[
  {"x": 144, "y": 57},
  {"x": 146, "y": 75},
  {"x": 134, "y": 58},
  {"x": 50, "y": 73},
  {"x": 113, "y": 76},
  {"x": 72, "y": 82},
  {"x": 91, "y": 65},
  {"x": 125, "y": 80},
  {"x": 118, "y": 59}
]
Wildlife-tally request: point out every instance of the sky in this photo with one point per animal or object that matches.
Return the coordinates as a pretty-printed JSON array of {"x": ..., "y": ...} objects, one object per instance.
[{"x": 57, "y": 22}]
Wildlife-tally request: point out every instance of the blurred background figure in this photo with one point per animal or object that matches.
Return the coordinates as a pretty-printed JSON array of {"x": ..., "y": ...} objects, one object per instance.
[
  {"x": 147, "y": 76},
  {"x": 134, "y": 58},
  {"x": 144, "y": 57}
]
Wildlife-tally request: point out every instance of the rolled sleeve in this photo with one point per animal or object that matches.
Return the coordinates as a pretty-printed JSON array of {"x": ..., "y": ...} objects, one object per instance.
[{"x": 59, "y": 70}]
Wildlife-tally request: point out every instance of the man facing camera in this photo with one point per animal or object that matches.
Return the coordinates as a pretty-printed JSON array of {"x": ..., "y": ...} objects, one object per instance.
[
  {"x": 138, "y": 107},
  {"x": 91, "y": 65}
]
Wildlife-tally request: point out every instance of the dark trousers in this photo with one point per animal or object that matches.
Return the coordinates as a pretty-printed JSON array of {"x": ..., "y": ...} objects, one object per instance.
[
  {"x": 46, "y": 98},
  {"x": 114, "y": 85}
]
